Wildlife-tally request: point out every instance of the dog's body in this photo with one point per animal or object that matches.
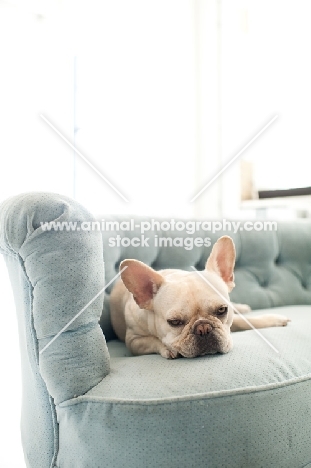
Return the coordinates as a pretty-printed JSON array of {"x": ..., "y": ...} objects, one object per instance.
[{"x": 179, "y": 313}]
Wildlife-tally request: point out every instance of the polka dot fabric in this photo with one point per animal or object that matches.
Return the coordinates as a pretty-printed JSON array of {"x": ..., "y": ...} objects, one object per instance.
[
  {"x": 89, "y": 406},
  {"x": 54, "y": 275},
  {"x": 249, "y": 408}
]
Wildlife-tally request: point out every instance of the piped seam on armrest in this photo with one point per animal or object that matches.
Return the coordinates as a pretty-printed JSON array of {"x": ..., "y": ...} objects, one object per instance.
[{"x": 36, "y": 349}]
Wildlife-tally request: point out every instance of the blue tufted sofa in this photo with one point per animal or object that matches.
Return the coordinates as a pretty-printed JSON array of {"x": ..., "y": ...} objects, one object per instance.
[{"x": 88, "y": 403}]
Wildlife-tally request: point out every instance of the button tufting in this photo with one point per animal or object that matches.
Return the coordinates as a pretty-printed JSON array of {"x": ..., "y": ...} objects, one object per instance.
[{"x": 264, "y": 284}]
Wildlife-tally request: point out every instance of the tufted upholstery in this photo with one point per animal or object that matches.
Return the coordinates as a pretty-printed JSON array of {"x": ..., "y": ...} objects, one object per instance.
[
  {"x": 86, "y": 404},
  {"x": 47, "y": 271}
]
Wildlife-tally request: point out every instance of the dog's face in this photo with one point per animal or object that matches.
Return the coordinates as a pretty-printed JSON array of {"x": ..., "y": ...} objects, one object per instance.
[
  {"x": 192, "y": 318},
  {"x": 189, "y": 312}
]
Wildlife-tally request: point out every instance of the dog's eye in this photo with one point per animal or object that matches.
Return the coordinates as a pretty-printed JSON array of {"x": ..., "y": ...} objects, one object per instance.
[
  {"x": 222, "y": 310},
  {"x": 175, "y": 322}
]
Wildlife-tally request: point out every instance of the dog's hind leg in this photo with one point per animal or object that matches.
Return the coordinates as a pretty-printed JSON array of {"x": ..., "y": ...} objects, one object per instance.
[{"x": 242, "y": 308}]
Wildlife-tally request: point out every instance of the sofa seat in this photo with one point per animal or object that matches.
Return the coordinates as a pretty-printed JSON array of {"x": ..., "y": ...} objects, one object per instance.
[{"x": 235, "y": 403}]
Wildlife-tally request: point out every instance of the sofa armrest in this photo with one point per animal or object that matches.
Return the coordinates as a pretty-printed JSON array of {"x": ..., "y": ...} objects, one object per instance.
[{"x": 64, "y": 271}]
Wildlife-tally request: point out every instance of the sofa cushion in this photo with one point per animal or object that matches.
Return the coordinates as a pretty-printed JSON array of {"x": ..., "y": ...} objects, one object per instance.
[{"x": 228, "y": 405}]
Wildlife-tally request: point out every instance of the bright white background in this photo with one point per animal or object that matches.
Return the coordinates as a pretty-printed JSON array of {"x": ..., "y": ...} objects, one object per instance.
[{"x": 162, "y": 93}]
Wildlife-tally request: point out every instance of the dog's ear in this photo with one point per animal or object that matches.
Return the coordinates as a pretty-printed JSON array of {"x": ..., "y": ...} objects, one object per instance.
[
  {"x": 142, "y": 281},
  {"x": 222, "y": 260}
]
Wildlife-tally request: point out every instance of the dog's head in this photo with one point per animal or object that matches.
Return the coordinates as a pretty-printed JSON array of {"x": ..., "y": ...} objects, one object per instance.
[{"x": 190, "y": 311}]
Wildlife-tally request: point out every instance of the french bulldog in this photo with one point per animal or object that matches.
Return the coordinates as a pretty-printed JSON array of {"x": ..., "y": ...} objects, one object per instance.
[{"x": 179, "y": 313}]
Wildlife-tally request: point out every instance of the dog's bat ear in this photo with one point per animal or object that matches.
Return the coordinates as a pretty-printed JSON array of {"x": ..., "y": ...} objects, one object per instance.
[
  {"x": 142, "y": 281},
  {"x": 222, "y": 260}
]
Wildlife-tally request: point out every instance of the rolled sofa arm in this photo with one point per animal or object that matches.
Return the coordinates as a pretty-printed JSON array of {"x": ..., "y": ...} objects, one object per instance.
[{"x": 63, "y": 271}]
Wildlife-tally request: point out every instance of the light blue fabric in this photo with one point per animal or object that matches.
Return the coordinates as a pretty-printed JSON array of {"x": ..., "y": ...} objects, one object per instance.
[
  {"x": 54, "y": 275},
  {"x": 86, "y": 405},
  {"x": 249, "y": 408}
]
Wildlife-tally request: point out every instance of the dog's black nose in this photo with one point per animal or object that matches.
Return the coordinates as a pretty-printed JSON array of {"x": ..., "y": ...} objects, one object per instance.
[{"x": 202, "y": 327}]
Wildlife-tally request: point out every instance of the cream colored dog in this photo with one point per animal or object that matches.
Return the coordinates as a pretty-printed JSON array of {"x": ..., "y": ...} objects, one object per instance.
[{"x": 177, "y": 313}]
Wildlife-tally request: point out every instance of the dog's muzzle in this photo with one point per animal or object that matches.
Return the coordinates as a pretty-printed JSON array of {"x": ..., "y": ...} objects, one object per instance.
[{"x": 206, "y": 336}]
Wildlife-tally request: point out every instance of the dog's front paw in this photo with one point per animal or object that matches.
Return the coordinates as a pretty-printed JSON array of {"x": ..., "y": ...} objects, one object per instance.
[
  {"x": 276, "y": 320},
  {"x": 168, "y": 353}
]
